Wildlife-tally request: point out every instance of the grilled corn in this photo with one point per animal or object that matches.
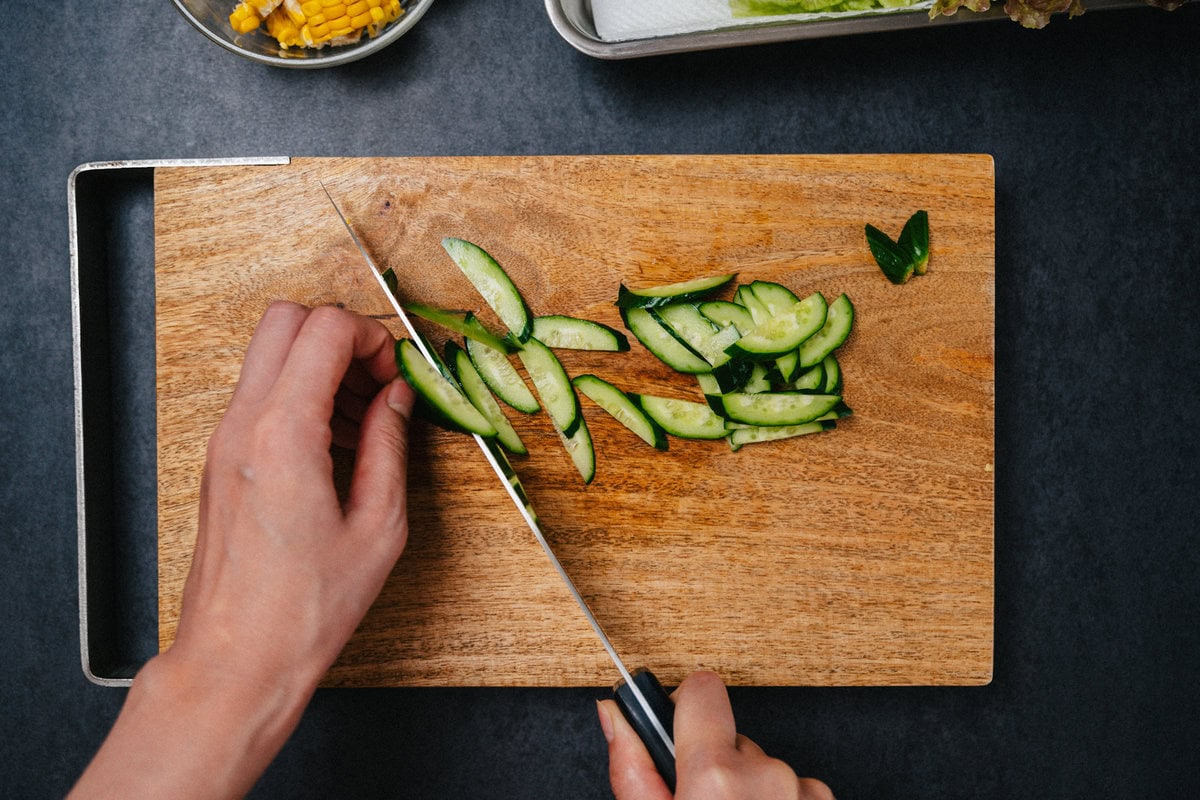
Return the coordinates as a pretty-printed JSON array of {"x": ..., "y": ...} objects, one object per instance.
[{"x": 315, "y": 23}]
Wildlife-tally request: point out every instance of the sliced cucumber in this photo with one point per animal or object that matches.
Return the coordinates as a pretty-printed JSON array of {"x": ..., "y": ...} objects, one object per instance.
[
  {"x": 783, "y": 332},
  {"x": 832, "y": 334},
  {"x": 746, "y": 298},
  {"x": 703, "y": 336},
  {"x": 624, "y": 410},
  {"x": 553, "y": 386},
  {"x": 774, "y": 408},
  {"x": 785, "y": 364},
  {"x": 464, "y": 323},
  {"x": 583, "y": 453},
  {"x": 833, "y": 375},
  {"x": 811, "y": 380},
  {"x": 572, "y": 333},
  {"x": 662, "y": 343},
  {"x": 682, "y": 418},
  {"x": 708, "y": 384},
  {"x": 775, "y": 296},
  {"x": 778, "y": 299},
  {"x": 670, "y": 293},
  {"x": 502, "y": 377},
  {"x": 725, "y": 313},
  {"x": 491, "y": 281},
  {"x": 443, "y": 401},
  {"x": 753, "y": 434},
  {"x": 481, "y": 397}
]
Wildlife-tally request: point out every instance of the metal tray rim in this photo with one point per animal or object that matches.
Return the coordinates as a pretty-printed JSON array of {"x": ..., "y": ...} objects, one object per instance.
[
  {"x": 588, "y": 43},
  {"x": 82, "y": 392}
]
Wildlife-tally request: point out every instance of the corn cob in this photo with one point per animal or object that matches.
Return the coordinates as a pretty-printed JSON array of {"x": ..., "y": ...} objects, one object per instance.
[{"x": 315, "y": 23}]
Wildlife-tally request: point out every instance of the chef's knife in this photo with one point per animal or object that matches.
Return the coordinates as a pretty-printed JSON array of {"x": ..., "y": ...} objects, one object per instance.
[{"x": 639, "y": 695}]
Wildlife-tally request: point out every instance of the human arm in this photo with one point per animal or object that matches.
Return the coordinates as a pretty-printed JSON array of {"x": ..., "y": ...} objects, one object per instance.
[
  {"x": 283, "y": 570},
  {"x": 712, "y": 760}
]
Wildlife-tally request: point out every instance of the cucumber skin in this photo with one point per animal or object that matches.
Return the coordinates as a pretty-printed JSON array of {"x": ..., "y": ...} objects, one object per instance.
[{"x": 464, "y": 323}]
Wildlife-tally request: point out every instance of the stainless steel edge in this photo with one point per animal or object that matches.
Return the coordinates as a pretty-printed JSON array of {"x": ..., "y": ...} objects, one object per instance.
[
  {"x": 573, "y": 21},
  {"x": 80, "y": 393}
]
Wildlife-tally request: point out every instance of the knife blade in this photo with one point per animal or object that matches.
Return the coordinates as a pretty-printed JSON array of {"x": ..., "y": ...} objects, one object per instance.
[{"x": 638, "y": 693}]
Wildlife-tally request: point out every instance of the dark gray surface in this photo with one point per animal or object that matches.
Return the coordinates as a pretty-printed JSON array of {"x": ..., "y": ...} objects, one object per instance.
[{"x": 1093, "y": 124}]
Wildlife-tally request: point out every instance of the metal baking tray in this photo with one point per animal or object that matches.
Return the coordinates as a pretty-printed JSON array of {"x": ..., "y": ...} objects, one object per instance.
[
  {"x": 110, "y": 218},
  {"x": 573, "y": 21}
]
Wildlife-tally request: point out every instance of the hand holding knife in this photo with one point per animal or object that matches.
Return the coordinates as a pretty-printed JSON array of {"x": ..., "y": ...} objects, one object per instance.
[{"x": 638, "y": 693}]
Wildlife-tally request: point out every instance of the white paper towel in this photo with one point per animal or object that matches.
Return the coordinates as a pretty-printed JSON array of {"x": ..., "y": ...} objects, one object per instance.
[{"x": 625, "y": 20}]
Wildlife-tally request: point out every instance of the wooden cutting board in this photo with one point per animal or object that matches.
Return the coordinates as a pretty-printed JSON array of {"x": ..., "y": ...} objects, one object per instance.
[{"x": 859, "y": 556}]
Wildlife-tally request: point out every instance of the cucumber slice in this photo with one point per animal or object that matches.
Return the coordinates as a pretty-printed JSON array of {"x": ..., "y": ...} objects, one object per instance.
[
  {"x": 778, "y": 299},
  {"x": 725, "y": 313},
  {"x": 787, "y": 365},
  {"x": 572, "y": 333},
  {"x": 491, "y": 281},
  {"x": 775, "y": 408},
  {"x": 775, "y": 296},
  {"x": 746, "y": 298},
  {"x": 670, "y": 293},
  {"x": 811, "y": 380},
  {"x": 784, "y": 332},
  {"x": 481, "y": 397},
  {"x": 833, "y": 333},
  {"x": 708, "y": 384},
  {"x": 464, "y": 323},
  {"x": 662, "y": 343},
  {"x": 582, "y": 451},
  {"x": 753, "y": 434},
  {"x": 704, "y": 337},
  {"x": 443, "y": 401},
  {"x": 624, "y": 410},
  {"x": 502, "y": 377},
  {"x": 682, "y": 418},
  {"x": 553, "y": 386},
  {"x": 833, "y": 375}
]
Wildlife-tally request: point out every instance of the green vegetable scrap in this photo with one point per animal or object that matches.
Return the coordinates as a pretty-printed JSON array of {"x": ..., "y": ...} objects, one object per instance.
[
  {"x": 770, "y": 8},
  {"x": 909, "y": 254}
]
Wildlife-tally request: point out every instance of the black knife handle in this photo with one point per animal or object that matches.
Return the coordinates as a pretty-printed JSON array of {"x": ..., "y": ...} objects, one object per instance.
[{"x": 663, "y": 708}]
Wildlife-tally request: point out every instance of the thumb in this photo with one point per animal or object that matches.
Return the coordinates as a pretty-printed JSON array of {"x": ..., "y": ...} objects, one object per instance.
[
  {"x": 379, "y": 486},
  {"x": 630, "y": 768}
]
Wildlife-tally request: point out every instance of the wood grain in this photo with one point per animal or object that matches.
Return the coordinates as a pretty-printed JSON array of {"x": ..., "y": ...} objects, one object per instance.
[{"x": 861, "y": 556}]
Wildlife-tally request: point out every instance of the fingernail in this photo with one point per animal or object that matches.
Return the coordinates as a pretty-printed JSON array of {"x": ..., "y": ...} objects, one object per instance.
[
  {"x": 605, "y": 721},
  {"x": 400, "y": 398}
]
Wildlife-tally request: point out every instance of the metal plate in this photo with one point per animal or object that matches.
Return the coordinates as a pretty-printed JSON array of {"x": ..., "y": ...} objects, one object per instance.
[{"x": 574, "y": 22}]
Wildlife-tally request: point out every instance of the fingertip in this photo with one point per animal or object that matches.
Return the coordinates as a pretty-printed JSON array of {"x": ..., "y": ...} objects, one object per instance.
[
  {"x": 631, "y": 771},
  {"x": 606, "y": 724},
  {"x": 400, "y": 398}
]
